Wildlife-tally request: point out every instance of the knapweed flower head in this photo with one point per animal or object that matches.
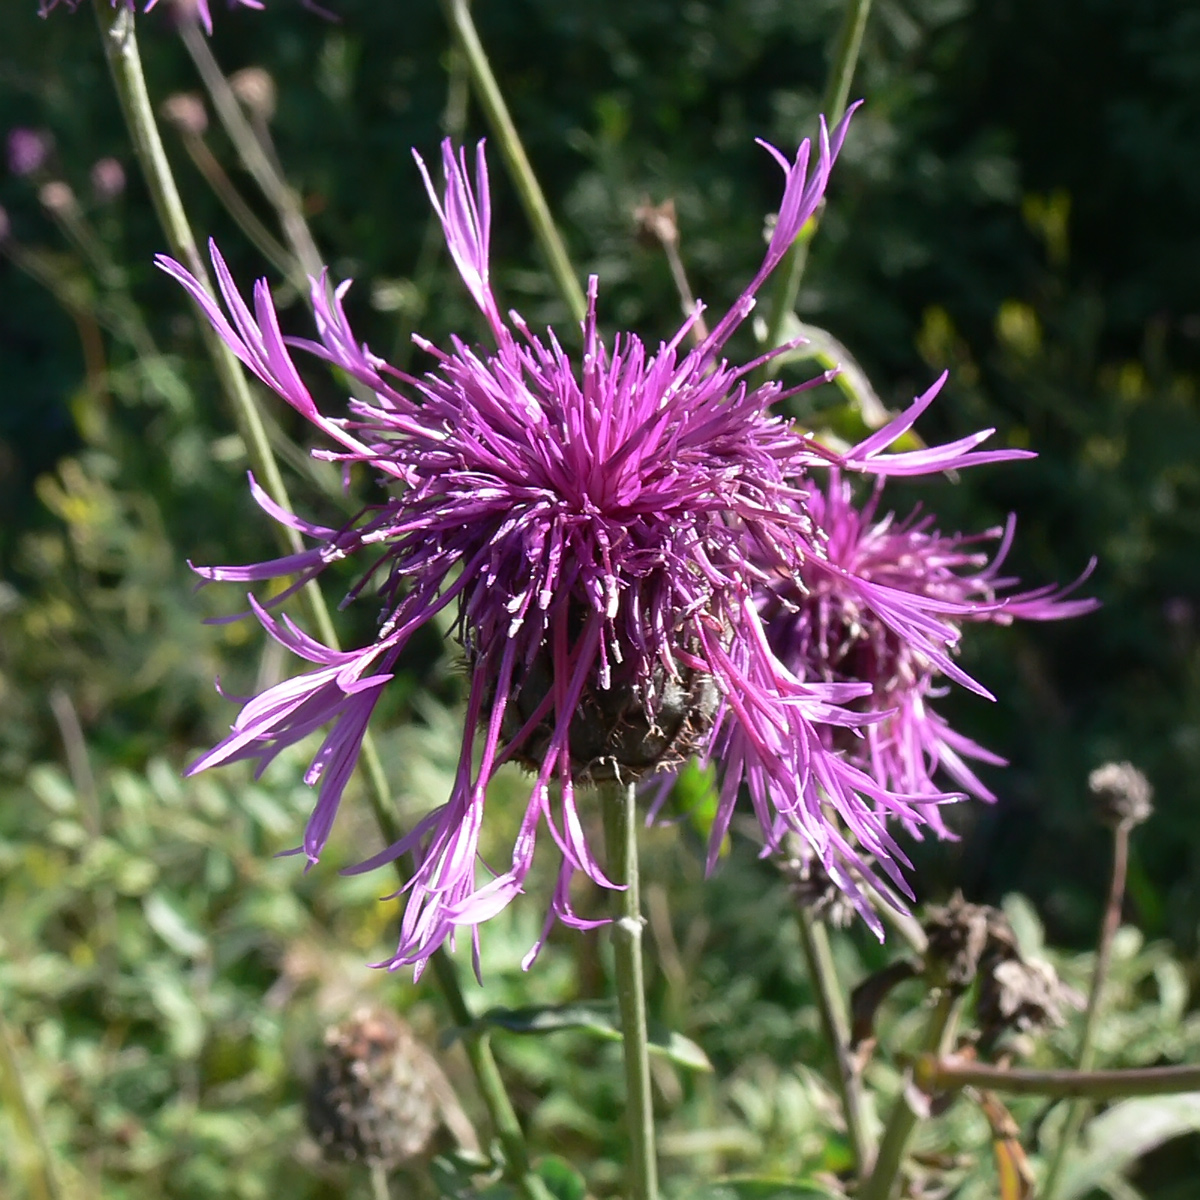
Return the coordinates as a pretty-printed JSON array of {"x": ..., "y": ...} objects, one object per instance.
[
  {"x": 885, "y": 604},
  {"x": 602, "y": 527},
  {"x": 197, "y": 9}
]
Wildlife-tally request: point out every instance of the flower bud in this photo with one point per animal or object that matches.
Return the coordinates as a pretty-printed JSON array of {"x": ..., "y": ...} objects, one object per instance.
[
  {"x": 57, "y": 197},
  {"x": 186, "y": 112},
  {"x": 28, "y": 150},
  {"x": 255, "y": 88},
  {"x": 108, "y": 179}
]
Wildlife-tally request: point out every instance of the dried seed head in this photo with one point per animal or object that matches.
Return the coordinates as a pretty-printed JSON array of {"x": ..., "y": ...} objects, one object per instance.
[
  {"x": 1123, "y": 794},
  {"x": 656, "y": 222},
  {"x": 960, "y": 935},
  {"x": 375, "y": 1096},
  {"x": 255, "y": 88},
  {"x": 1020, "y": 995},
  {"x": 186, "y": 112}
]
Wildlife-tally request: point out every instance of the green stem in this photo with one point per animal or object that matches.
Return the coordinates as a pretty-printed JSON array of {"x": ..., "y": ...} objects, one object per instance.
[
  {"x": 255, "y": 159},
  {"x": 833, "y": 104},
  {"x": 487, "y": 91},
  {"x": 40, "y": 1177},
  {"x": 835, "y": 1023},
  {"x": 943, "y": 1075},
  {"x": 1078, "y": 1109},
  {"x": 120, "y": 45},
  {"x": 620, "y": 831},
  {"x": 885, "y": 1176}
]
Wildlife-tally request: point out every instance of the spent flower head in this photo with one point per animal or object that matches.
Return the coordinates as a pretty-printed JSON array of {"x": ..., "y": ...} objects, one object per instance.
[{"x": 603, "y": 527}]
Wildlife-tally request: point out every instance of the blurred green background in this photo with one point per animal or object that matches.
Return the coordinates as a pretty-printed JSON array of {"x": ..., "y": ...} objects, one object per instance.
[{"x": 1016, "y": 202}]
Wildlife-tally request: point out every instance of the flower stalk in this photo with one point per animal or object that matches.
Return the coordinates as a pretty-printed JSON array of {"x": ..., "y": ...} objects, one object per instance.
[
  {"x": 620, "y": 831},
  {"x": 933, "y": 1074},
  {"x": 121, "y": 50},
  {"x": 250, "y": 150},
  {"x": 835, "y": 1023},
  {"x": 885, "y": 1175},
  {"x": 833, "y": 105},
  {"x": 41, "y": 1180},
  {"x": 491, "y": 100},
  {"x": 1091, "y": 1020}
]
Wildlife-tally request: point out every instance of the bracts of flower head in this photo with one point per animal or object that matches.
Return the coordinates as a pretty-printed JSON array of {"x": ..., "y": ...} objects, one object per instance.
[
  {"x": 604, "y": 530},
  {"x": 885, "y": 603},
  {"x": 190, "y": 9}
]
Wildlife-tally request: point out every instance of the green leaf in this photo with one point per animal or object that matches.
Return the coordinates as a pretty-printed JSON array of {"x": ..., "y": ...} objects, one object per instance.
[
  {"x": 564, "y": 1182},
  {"x": 172, "y": 926},
  {"x": 1121, "y": 1135},
  {"x": 595, "y": 1018}
]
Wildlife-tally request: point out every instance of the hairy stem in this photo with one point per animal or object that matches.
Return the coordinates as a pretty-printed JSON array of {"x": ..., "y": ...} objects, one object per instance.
[
  {"x": 835, "y": 1023},
  {"x": 1091, "y": 1021},
  {"x": 620, "y": 832},
  {"x": 487, "y": 91}
]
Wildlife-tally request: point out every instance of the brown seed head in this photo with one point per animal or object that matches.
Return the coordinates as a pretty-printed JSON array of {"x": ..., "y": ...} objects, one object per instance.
[
  {"x": 375, "y": 1096},
  {"x": 1123, "y": 794}
]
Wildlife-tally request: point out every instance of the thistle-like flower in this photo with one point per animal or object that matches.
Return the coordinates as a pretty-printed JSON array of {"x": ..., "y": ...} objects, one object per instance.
[
  {"x": 885, "y": 604},
  {"x": 603, "y": 529}
]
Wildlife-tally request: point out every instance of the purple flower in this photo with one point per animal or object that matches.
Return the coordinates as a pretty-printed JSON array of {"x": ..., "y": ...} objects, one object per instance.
[
  {"x": 603, "y": 529},
  {"x": 28, "y": 150},
  {"x": 191, "y": 8},
  {"x": 885, "y": 604}
]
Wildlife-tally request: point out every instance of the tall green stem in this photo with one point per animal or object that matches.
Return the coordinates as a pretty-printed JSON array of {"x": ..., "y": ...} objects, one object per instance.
[
  {"x": 250, "y": 150},
  {"x": 620, "y": 832},
  {"x": 40, "y": 1178},
  {"x": 1091, "y": 1022},
  {"x": 835, "y": 1024},
  {"x": 487, "y": 91},
  {"x": 121, "y": 49},
  {"x": 833, "y": 104},
  {"x": 885, "y": 1176}
]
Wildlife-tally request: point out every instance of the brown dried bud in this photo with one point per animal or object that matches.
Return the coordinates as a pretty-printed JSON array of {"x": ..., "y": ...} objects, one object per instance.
[
  {"x": 376, "y": 1096},
  {"x": 656, "y": 222},
  {"x": 1123, "y": 794},
  {"x": 255, "y": 88},
  {"x": 186, "y": 112}
]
